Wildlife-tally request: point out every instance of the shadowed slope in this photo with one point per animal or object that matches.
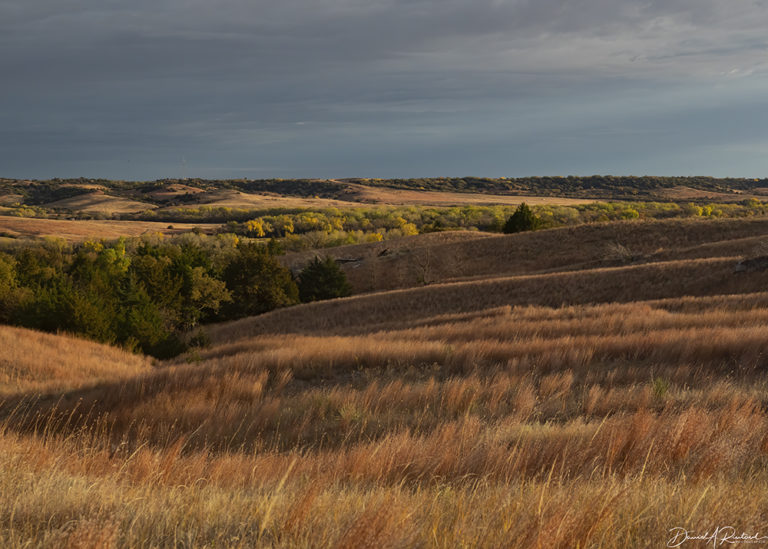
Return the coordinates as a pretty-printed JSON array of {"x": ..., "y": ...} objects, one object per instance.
[
  {"x": 435, "y": 258},
  {"x": 698, "y": 277}
]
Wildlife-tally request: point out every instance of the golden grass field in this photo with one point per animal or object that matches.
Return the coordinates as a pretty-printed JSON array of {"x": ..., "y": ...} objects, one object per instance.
[
  {"x": 552, "y": 390},
  {"x": 98, "y": 201},
  {"x": 37, "y": 362},
  {"x": 230, "y": 198},
  {"x": 401, "y": 197},
  {"x": 83, "y": 229}
]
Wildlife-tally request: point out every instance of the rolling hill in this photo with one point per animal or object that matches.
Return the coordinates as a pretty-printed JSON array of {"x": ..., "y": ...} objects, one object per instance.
[
  {"x": 98, "y": 201},
  {"x": 460, "y": 255},
  {"x": 34, "y": 362},
  {"x": 89, "y": 196},
  {"x": 590, "y": 386}
]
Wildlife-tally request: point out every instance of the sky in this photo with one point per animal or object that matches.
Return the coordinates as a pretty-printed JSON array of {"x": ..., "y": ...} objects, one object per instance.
[{"x": 152, "y": 89}]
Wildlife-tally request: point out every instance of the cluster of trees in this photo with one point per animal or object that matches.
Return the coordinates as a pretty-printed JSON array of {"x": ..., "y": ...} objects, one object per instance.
[
  {"x": 193, "y": 214},
  {"x": 149, "y": 294},
  {"x": 329, "y": 227},
  {"x": 334, "y": 227},
  {"x": 404, "y": 220},
  {"x": 555, "y": 216}
]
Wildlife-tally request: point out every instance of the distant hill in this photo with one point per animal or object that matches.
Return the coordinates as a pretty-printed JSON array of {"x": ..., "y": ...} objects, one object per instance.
[
  {"x": 57, "y": 193},
  {"x": 98, "y": 201},
  {"x": 594, "y": 186}
]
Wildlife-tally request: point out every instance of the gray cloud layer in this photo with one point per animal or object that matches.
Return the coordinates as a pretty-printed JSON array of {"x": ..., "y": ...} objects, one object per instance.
[{"x": 237, "y": 88}]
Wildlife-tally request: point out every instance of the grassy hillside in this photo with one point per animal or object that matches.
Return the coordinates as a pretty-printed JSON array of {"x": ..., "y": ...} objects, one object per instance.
[
  {"x": 120, "y": 197},
  {"x": 445, "y": 257},
  {"x": 557, "y": 396},
  {"x": 379, "y": 194},
  {"x": 163, "y": 198},
  {"x": 82, "y": 229},
  {"x": 34, "y": 362},
  {"x": 98, "y": 202}
]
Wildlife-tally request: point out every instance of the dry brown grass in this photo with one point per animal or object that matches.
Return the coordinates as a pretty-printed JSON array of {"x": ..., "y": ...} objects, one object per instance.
[
  {"x": 34, "y": 362},
  {"x": 356, "y": 195},
  {"x": 264, "y": 201},
  {"x": 382, "y": 310},
  {"x": 689, "y": 193},
  {"x": 403, "y": 197},
  {"x": 482, "y": 255},
  {"x": 542, "y": 363},
  {"x": 73, "y": 496},
  {"x": 98, "y": 201},
  {"x": 596, "y": 407},
  {"x": 78, "y": 230}
]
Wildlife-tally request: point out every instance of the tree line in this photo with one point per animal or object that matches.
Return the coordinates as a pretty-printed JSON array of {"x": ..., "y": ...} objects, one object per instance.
[{"x": 150, "y": 294}]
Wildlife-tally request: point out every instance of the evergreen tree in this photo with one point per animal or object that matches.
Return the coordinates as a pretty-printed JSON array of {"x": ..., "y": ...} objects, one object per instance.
[
  {"x": 522, "y": 220},
  {"x": 323, "y": 279},
  {"x": 257, "y": 282}
]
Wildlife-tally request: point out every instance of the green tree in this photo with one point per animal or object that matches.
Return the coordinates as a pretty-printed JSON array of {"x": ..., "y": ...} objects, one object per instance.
[
  {"x": 51, "y": 308},
  {"x": 12, "y": 296},
  {"x": 522, "y": 220},
  {"x": 143, "y": 326},
  {"x": 205, "y": 296},
  {"x": 257, "y": 282},
  {"x": 323, "y": 279}
]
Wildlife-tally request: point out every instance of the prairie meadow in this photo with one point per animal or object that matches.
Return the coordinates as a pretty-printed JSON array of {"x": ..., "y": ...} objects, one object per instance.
[{"x": 595, "y": 402}]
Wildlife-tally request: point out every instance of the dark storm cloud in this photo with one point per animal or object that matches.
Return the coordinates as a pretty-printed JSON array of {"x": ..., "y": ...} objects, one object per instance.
[{"x": 393, "y": 87}]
